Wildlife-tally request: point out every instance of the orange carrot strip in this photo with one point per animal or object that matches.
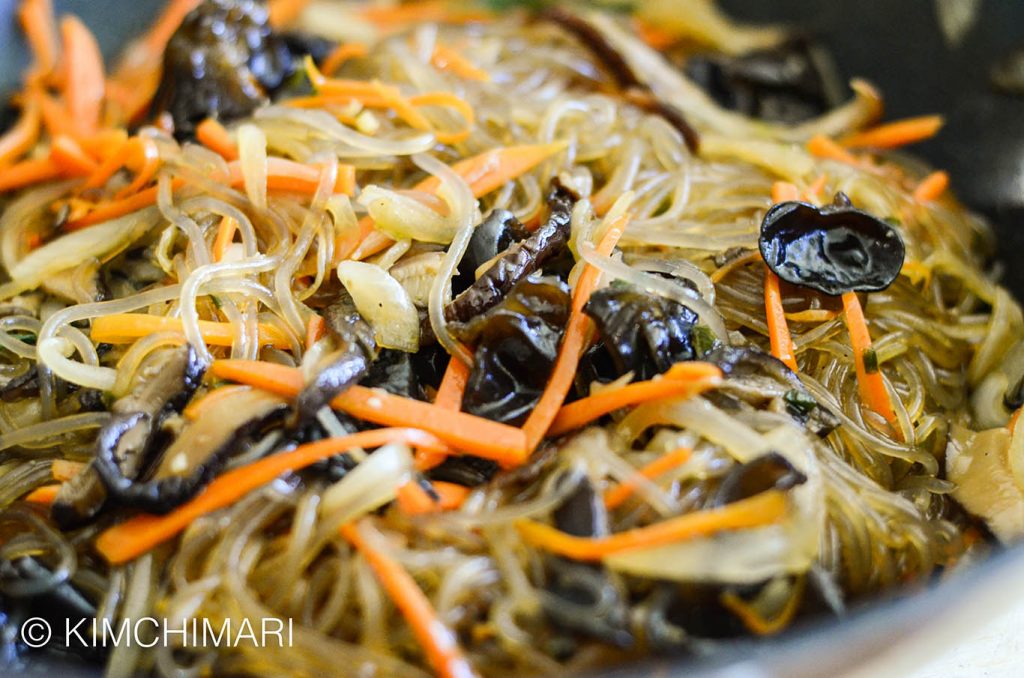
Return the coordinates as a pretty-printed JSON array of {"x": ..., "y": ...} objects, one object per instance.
[
  {"x": 225, "y": 235},
  {"x": 119, "y": 207},
  {"x": 104, "y": 143},
  {"x": 44, "y": 494},
  {"x": 449, "y": 397},
  {"x": 68, "y": 155},
  {"x": 341, "y": 54},
  {"x": 196, "y": 407},
  {"x": 283, "y": 12},
  {"x": 315, "y": 329},
  {"x": 1012, "y": 424},
  {"x": 573, "y": 343},
  {"x": 214, "y": 136},
  {"x": 872, "y": 387},
  {"x": 932, "y": 187},
  {"x": 484, "y": 173},
  {"x": 445, "y": 58},
  {"x": 449, "y": 100},
  {"x": 138, "y": 535},
  {"x": 823, "y": 147},
  {"x": 20, "y": 139},
  {"x": 473, "y": 435},
  {"x": 85, "y": 83},
  {"x": 654, "y": 36},
  {"x": 778, "y": 329},
  {"x": 28, "y": 172},
  {"x": 124, "y": 328},
  {"x": 761, "y": 509},
  {"x": 40, "y": 29},
  {"x": 896, "y": 134},
  {"x": 55, "y": 117},
  {"x": 413, "y": 500},
  {"x": 437, "y": 640},
  {"x": 295, "y": 177},
  {"x": 616, "y": 496},
  {"x": 681, "y": 381},
  {"x": 452, "y": 495},
  {"x": 62, "y": 469}
]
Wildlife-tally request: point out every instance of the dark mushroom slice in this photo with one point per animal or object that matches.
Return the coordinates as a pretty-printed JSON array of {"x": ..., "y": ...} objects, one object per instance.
[
  {"x": 162, "y": 385},
  {"x": 393, "y": 371},
  {"x": 767, "y": 472},
  {"x": 516, "y": 346},
  {"x": 758, "y": 378},
  {"x": 465, "y": 470},
  {"x": 625, "y": 79},
  {"x": 641, "y": 332},
  {"x": 833, "y": 250},
  {"x": 222, "y": 62},
  {"x": 356, "y": 349},
  {"x": 519, "y": 261},
  {"x": 496, "y": 233}
]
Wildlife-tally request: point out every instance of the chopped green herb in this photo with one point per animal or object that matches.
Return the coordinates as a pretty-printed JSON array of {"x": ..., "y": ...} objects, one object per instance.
[
  {"x": 799, "y": 403},
  {"x": 870, "y": 361},
  {"x": 26, "y": 337},
  {"x": 704, "y": 340}
]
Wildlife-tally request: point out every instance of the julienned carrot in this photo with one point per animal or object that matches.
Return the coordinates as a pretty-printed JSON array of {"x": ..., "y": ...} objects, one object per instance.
[
  {"x": 295, "y": 177},
  {"x": 682, "y": 380},
  {"x": 449, "y": 397},
  {"x": 225, "y": 235},
  {"x": 119, "y": 207},
  {"x": 447, "y": 59},
  {"x": 40, "y": 30},
  {"x": 1012, "y": 424},
  {"x": 62, "y": 469},
  {"x": 68, "y": 155},
  {"x": 869, "y": 379},
  {"x": 896, "y": 134},
  {"x": 214, "y": 136},
  {"x": 28, "y": 172},
  {"x": 573, "y": 343},
  {"x": 932, "y": 187},
  {"x": 484, "y": 173},
  {"x": 341, "y": 54},
  {"x": 56, "y": 119},
  {"x": 465, "y": 432},
  {"x": 44, "y": 494},
  {"x": 761, "y": 509},
  {"x": 413, "y": 500},
  {"x": 778, "y": 328},
  {"x": 85, "y": 83},
  {"x": 451, "y": 495},
  {"x": 822, "y": 146},
  {"x": 438, "y": 641},
  {"x": 138, "y": 535},
  {"x": 124, "y": 328},
  {"x": 614, "y": 497},
  {"x": 20, "y": 138},
  {"x": 315, "y": 328}
]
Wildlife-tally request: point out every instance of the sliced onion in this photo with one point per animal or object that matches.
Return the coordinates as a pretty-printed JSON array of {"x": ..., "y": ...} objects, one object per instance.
[
  {"x": 252, "y": 155},
  {"x": 370, "y": 485},
  {"x": 417, "y": 273},
  {"x": 401, "y": 216},
  {"x": 384, "y": 303}
]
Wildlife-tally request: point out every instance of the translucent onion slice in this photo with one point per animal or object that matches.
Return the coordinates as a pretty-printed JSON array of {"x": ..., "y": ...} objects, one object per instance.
[
  {"x": 401, "y": 216},
  {"x": 369, "y": 485},
  {"x": 384, "y": 303}
]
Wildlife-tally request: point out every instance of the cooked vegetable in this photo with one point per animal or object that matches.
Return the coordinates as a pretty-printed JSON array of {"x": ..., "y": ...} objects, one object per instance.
[
  {"x": 833, "y": 249},
  {"x": 496, "y": 233},
  {"x": 384, "y": 303}
]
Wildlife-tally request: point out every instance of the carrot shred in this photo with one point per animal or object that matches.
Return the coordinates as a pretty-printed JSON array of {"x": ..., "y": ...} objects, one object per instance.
[
  {"x": 616, "y": 496},
  {"x": 68, "y": 155},
  {"x": 449, "y": 100},
  {"x": 484, "y": 173},
  {"x": 761, "y": 509},
  {"x": 85, "y": 83},
  {"x": 778, "y": 329},
  {"x": 138, "y": 535},
  {"x": 56, "y": 119},
  {"x": 214, "y": 136},
  {"x": 28, "y": 172},
  {"x": 413, "y": 500},
  {"x": 1012, "y": 424},
  {"x": 438, "y": 641},
  {"x": 473, "y": 435},
  {"x": 445, "y": 58},
  {"x": 872, "y": 387},
  {"x": 452, "y": 495},
  {"x": 573, "y": 343},
  {"x": 40, "y": 28},
  {"x": 341, "y": 54},
  {"x": 822, "y": 146},
  {"x": 932, "y": 187},
  {"x": 683, "y": 380},
  {"x": 754, "y": 621},
  {"x": 655, "y": 37},
  {"x": 124, "y": 328},
  {"x": 62, "y": 469},
  {"x": 225, "y": 235},
  {"x": 896, "y": 134},
  {"x": 295, "y": 177},
  {"x": 449, "y": 397},
  {"x": 20, "y": 138},
  {"x": 44, "y": 494},
  {"x": 119, "y": 207}
]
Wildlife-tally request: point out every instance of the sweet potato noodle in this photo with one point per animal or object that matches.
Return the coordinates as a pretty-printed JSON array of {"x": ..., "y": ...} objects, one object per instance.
[{"x": 444, "y": 332}]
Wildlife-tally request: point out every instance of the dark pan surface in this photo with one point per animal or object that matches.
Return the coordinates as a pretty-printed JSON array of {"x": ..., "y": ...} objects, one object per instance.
[{"x": 898, "y": 45}]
